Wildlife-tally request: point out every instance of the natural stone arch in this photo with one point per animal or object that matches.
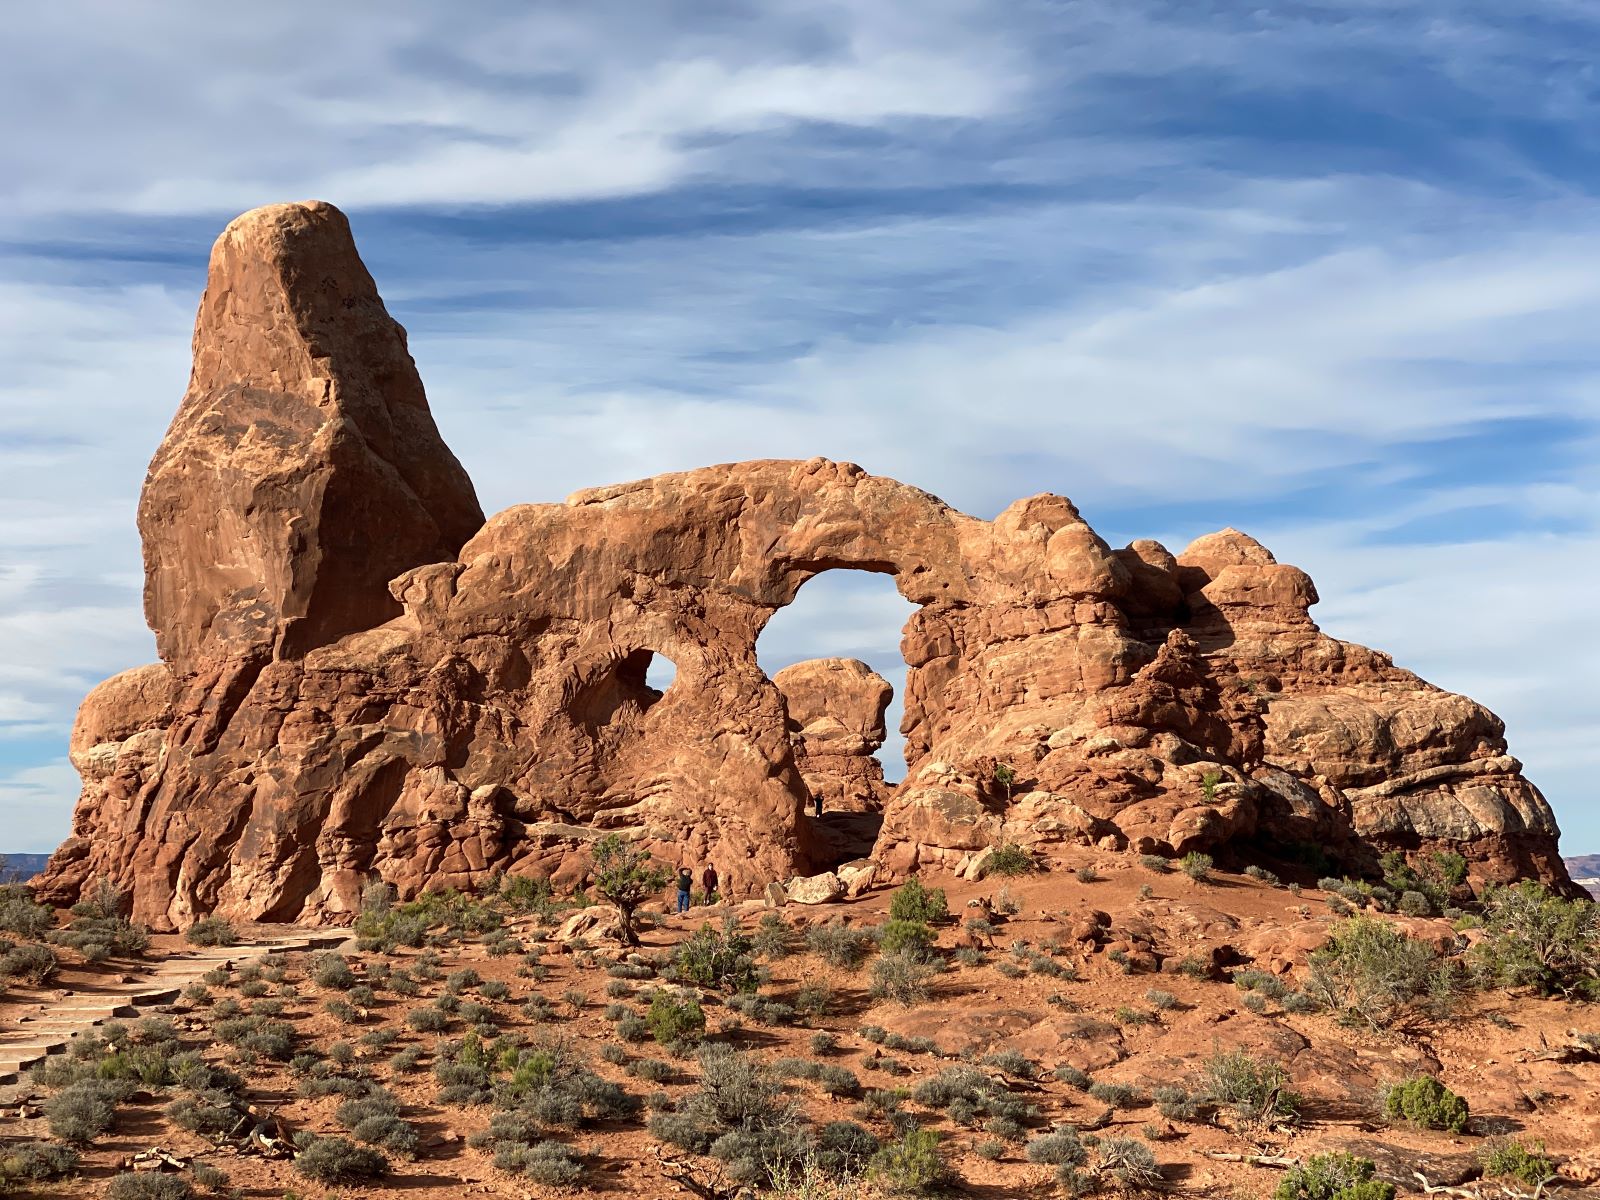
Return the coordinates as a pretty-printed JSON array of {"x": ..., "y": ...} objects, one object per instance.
[{"x": 315, "y": 720}]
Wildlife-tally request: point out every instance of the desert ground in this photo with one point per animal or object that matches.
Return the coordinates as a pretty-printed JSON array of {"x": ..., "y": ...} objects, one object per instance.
[{"x": 1100, "y": 1023}]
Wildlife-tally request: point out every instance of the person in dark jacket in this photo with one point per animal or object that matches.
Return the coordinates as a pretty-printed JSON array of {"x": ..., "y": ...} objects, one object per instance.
[
  {"x": 708, "y": 882},
  {"x": 685, "y": 886}
]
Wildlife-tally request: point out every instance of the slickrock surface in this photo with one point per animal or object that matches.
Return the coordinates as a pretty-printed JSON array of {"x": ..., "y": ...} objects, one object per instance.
[{"x": 359, "y": 680}]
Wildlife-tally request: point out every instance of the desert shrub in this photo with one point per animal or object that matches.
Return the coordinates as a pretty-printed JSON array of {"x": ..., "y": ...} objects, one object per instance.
[
  {"x": 21, "y": 916},
  {"x": 1415, "y": 904},
  {"x": 1087, "y": 874},
  {"x": 1257, "y": 1090},
  {"x": 98, "y": 927},
  {"x": 336, "y": 1160},
  {"x": 1338, "y": 1176},
  {"x": 211, "y": 931},
  {"x": 82, "y": 1111},
  {"x": 35, "y": 1162},
  {"x": 912, "y": 938},
  {"x": 1073, "y": 1076},
  {"x": 814, "y": 999},
  {"x": 720, "y": 960},
  {"x": 1013, "y": 1063},
  {"x": 912, "y": 1164},
  {"x": 914, "y": 902},
  {"x": 1197, "y": 866},
  {"x": 633, "y": 1028},
  {"x": 148, "y": 1185},
  {"x": 1262, "y": 874},
  {"x": 774, "y": 937},
  {"x": 675, "y": 1020},
  {"x": 1425, "y": 1103},
  {"x": 553, "y": 1164},
  {"x": 1528, "y": 1164},
  {"x": 1260, "y": 981},
  {"x": 738, "y": 1116},
  {"x": 652, "y": 1070},
  {"x": 1118, "y": 1095},
  {"x": 31, "y": 961},
  {"x": 823, "y": 1042},
  {"x": 427, "y": 1020},
  {"x": 1371, "y": 973},
  {"x": 1010, "y": 860},
  {"x": 1156, "y": 863},
  {"x": 330, "y": 970},
  {"x": 1450, "y": 867},
  {"x": 1127, "y": 1160},
  {"x": 207, "y": 1111},
  {"x": 1539, "y": 940},
  {"x": 902, "y": 977},
  {"x": 840, "y": 945},
  {"x": 1056, "y": 1148},
  {"x": 1175, "y": 1103}
]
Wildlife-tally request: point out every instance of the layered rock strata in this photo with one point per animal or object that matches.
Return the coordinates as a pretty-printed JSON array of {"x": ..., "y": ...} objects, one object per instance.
[{"x": 362, "y": 679}]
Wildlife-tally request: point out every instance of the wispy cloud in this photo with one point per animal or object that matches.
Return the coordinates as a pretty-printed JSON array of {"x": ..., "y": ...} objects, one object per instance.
[{"x": 1318, "y": 272}]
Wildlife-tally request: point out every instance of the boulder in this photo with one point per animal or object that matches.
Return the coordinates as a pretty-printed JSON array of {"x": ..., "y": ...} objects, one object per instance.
[{"x": 816, "y": 889}]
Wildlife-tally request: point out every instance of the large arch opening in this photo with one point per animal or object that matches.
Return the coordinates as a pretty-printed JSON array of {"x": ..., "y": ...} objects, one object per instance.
[{"x": 826, "y": 651}]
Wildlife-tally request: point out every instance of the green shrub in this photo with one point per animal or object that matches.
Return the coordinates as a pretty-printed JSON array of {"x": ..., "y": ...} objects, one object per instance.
[
  {"x": 720, "y": 960},
  {"x": 675, "y": 1020},
  {"x": 1371, "y": 973},
  {"x": 903, "y": 936},
  {"x": 1451, "y": 867},
  {"x": 1197, "y": 866},
  {"x": 626, "y": 876},
  {"x": 336, "y": 1160},
  {"x": 1338, "y": 1176},
  {"x": 913, "y": 1164},
  {"x": 1010, "y": 860},
  {"x": 211, "y": 931},
  {"x": 1156, "y": 863},
  {"x": 1539, "y": 940},
  {"x": 1256, "y": 1090},
  {"x": 913, "y": 902},
  {"x": 1427, "y": 1104},
  {"x": 1528, "y": 1164}
]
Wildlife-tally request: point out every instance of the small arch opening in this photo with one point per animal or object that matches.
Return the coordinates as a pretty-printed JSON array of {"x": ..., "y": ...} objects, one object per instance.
[{"x": 631, "y": 684}]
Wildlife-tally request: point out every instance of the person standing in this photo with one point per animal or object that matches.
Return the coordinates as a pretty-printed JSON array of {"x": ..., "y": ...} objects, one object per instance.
[
  {"x": 685, "y": 886},
  {"x": 708, "y": 883},
  {"x": 816, "y": 802}
]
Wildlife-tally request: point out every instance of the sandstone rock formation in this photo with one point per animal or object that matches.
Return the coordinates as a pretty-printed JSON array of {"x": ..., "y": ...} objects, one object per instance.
[
  {"x": 836, "y": 708},
  {"x": 347, "y": 691}
]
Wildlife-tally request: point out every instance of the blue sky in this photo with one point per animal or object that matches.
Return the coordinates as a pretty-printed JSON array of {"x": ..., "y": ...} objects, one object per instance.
[{"x": 1320, "y": 271}]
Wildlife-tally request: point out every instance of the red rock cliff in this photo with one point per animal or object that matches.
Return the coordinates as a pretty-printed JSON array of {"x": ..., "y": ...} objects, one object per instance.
[{"x": 361, "y": 678}]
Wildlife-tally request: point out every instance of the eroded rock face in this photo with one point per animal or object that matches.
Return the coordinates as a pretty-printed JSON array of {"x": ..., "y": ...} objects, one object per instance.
[
  {"x": 836, "y": 708},
  {"x": 349, "y": 691}
]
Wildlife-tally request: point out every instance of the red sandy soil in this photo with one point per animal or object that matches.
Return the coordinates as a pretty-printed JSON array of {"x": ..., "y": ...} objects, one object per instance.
[{"x": 1486, "y": 1052}]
